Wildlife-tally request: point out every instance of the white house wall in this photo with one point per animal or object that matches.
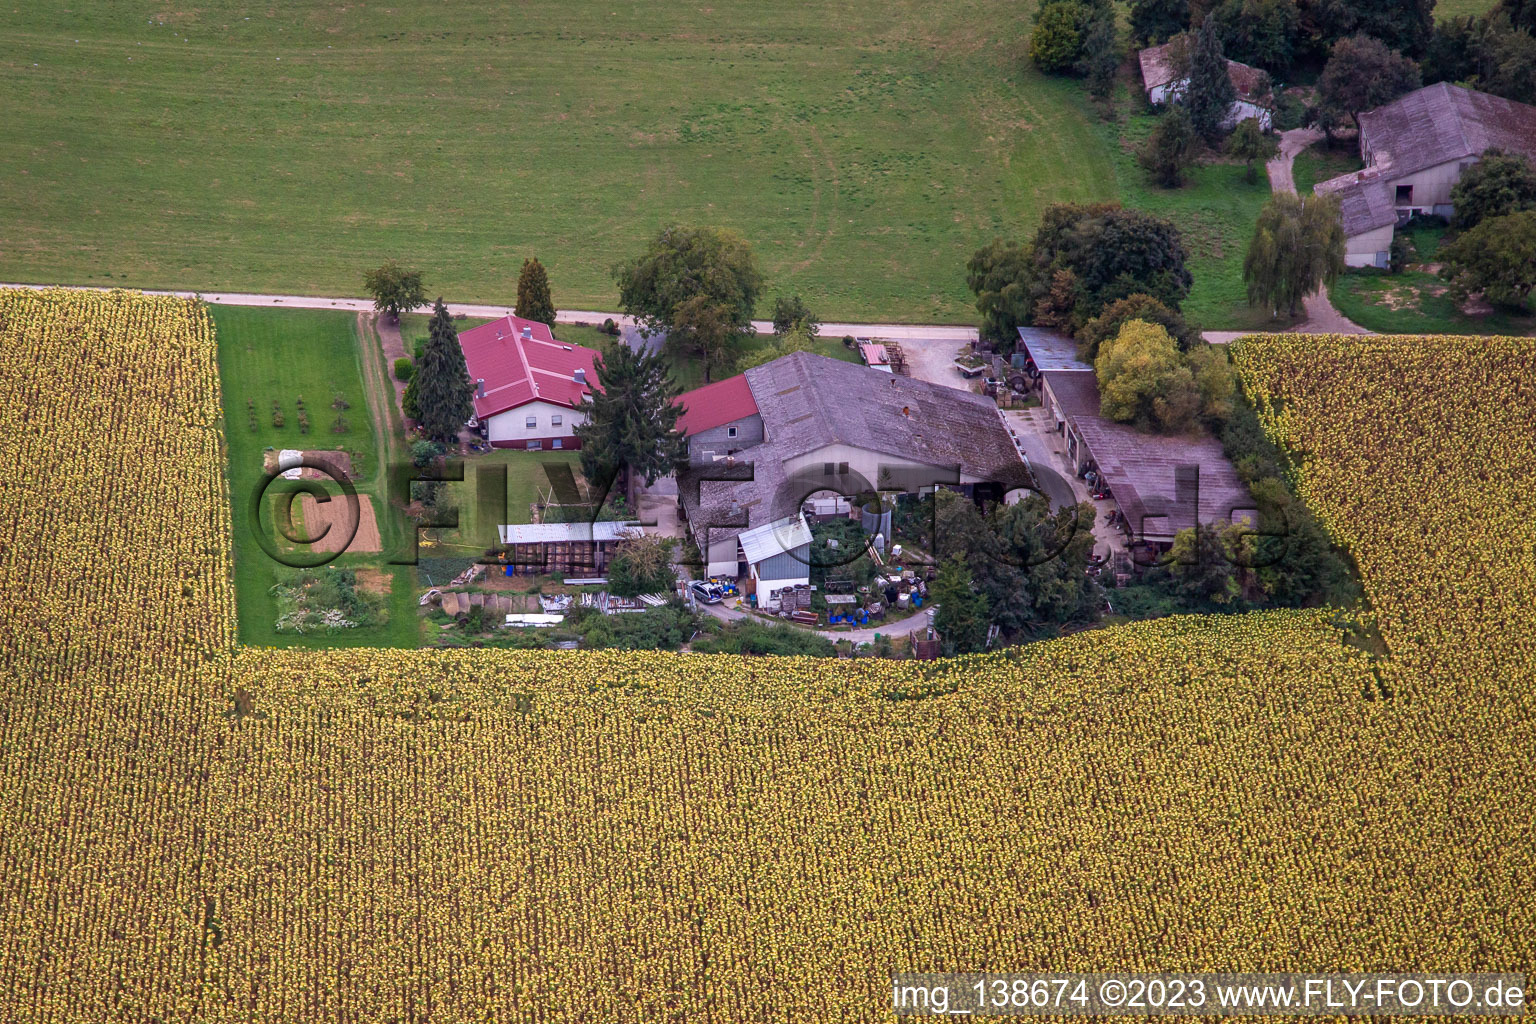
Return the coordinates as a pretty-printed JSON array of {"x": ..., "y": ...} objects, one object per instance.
[
  {"x": 864, "y": 468},
  {"x": 768, "y": 590},
  {"x": 512, "y": 424},
  {"x": 1369, "y": 249},
  {"x": 1240, "y": 110},
  {"x": 1431, "y": 186}
]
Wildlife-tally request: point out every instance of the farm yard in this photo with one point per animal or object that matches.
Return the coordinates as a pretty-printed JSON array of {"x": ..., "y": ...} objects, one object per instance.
[
  {"x": 486, "y": 832},
  {"x": 865, "y": 150}
]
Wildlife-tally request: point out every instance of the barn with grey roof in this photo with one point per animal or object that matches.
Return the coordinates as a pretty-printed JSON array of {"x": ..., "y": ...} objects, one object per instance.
[
  {"x": 832, "y": 426},
  {"x": 1415, "y": 149}
]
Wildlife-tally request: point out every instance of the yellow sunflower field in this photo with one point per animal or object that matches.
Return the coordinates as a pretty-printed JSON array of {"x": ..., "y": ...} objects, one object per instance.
[{"x": 192, "y": 831}]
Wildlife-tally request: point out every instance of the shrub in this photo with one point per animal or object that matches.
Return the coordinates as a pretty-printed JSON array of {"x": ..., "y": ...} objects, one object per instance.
[
  {"x": 1057, "y": 42},
  {"x": 404, "y": 369},
  {"x": 424, "y": 452}
]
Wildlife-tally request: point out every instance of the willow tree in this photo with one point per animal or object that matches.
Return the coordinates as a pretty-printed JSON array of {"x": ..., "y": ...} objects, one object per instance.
[{"x": 1297, "y": 247}]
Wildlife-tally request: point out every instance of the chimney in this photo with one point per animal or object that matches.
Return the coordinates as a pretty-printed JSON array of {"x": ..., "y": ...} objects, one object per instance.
[
  {"x": 580, "y": 375},
  {"x": 479, "y": 387},
  {"x": 527, "y": 333}
]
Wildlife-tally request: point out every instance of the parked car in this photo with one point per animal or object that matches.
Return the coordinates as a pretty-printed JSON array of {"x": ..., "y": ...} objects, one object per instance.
[{"x": 709, "y": 593}]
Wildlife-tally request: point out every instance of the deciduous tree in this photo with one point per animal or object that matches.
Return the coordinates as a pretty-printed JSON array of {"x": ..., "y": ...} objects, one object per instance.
[
  {"x": 1403, "y": 25},
  {"x": 961, "y": 620},
  {"x": 999, "y": 274},
  {"x": 1156, "y": 21},
  {"x": 1362, "y": 73},
  {"x": 1497, "y": 258},
  {"x": 395, "y": 290},
  {"x": 1056, "y": 45},
  {"x": 1144, "y": 380},
  {"x": 1498, "y": 184},
  {"x": 1260, "y": 32},
  {"x": 1025, "y": 559},
  {"x": 1170, "y": 147},
  {"x": 1133, "y": 307},
  {"x": 700, "y": 285},
  {"x": 790, "y": 313},
  {"x": 1250, "y": 144}
]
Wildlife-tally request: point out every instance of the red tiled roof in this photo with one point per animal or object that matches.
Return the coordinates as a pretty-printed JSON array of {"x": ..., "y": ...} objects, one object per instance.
[
  {"x": 715, "y": 404},
  {"x": 520, "y": 362}
]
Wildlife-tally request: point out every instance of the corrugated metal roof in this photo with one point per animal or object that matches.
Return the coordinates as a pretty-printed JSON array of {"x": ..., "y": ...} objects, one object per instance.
[
  {"x": 775, "y": 538},
  {"x": 1147, "y": 472},
  {"x": 558, "y": 533},
  {"x": 1444, "y": 122},
  {"x": 1050, "y": 350}
]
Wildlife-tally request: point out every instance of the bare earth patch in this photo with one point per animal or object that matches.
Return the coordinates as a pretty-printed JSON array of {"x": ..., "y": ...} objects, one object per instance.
[
  {"x": 340, "y": 463},
  {"x": 375, "y": 581},
  {"x": 335, "y": 512},
  {"x": 1400, "y": 297}
]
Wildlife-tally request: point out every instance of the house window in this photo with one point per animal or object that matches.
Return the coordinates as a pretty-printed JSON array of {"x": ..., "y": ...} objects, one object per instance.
[
  {"x": 730, "y": 431},
  {"x": 842, "y": 467},
  {"x": 556, "y": 443},
  {"x": 556, "y": 420},
  {"x": 534, "y": 446},
  {"x": 531, "y": 422},
  {"x": 1404, "y": 195},
  {"x": 826, "y": 469}
]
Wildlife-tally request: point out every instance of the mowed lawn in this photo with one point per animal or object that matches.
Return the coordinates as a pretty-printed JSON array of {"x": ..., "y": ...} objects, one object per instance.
[
  {"x": 268, "y": 355},
  {"x": 1215, "y": 210},
  {"x": 864, "y": 148}
]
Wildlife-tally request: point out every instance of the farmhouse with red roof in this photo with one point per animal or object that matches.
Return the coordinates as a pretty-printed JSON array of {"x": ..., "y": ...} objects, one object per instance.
[
  {"x": 529, "y": 387},
  {"x": 720, "y": 419}
]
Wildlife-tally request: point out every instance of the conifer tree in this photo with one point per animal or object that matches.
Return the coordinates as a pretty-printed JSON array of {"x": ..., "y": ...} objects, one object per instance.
[
  {"x": 630, "y": 427},
  {"x": 1210, "y": 93},
  {"x": 444, "y": 393},
  {"x": 533, "y": 299}
]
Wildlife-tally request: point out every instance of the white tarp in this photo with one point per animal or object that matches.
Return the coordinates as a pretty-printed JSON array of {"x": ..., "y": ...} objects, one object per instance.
[{"x": 288, "y": 462}]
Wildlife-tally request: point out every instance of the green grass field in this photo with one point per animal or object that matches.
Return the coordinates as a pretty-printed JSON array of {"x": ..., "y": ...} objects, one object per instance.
[
  {"x": 1215, "y": 210},
  {"x": 1414, "y": 303},
  {"x": 865, "y": 149},
  {"x": 273, "y": 354},
  {"x": 1458, "y": 8},
  {"x": 1319, "y": 163}
]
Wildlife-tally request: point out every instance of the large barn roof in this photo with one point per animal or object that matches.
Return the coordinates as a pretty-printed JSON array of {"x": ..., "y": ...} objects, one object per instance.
[
  {"x": 1444, "y": 122},
  {"x": 808, "y": 402}
]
